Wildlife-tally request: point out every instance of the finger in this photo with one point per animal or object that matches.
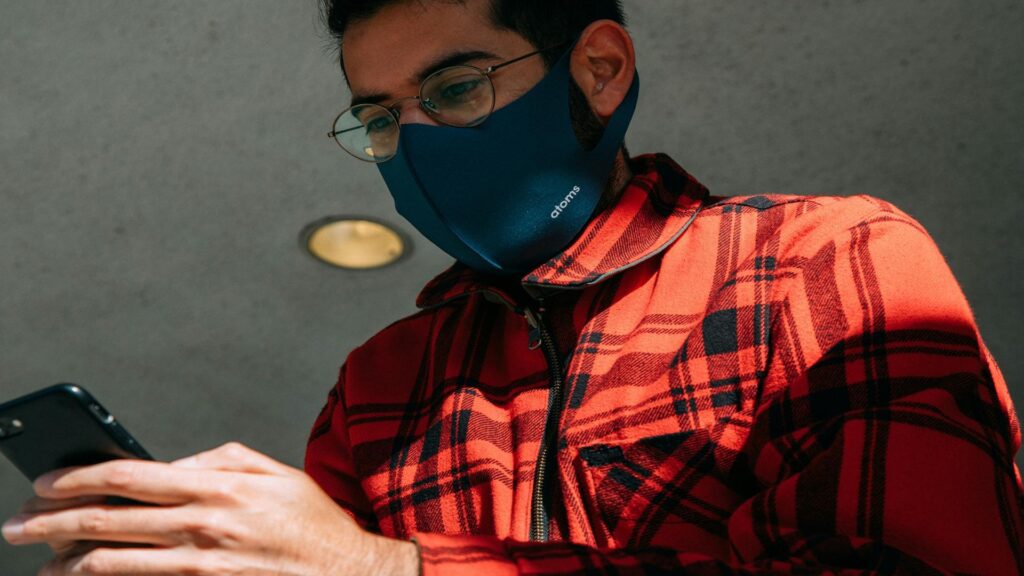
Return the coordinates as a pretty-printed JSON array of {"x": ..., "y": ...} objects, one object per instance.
[
  {"x": 236, "y": 457},
  {"x": 137, "y": 525},
  {"x": 135, "y": 561},
  {"x": 154, "y": 482},
  {"x": 37, "y": 504}
]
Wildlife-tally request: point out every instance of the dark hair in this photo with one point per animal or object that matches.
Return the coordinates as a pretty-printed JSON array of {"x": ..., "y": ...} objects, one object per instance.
[{"x": 543, "y": 23}]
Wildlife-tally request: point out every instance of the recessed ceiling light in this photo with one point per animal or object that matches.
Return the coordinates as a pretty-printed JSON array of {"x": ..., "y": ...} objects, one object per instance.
[{"x": 354, "y": 243}]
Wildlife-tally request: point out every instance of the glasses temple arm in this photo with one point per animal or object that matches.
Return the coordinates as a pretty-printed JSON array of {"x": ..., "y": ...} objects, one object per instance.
[
  {"x": 523, "y": 57},
  {"x": 334, "y": 133}
]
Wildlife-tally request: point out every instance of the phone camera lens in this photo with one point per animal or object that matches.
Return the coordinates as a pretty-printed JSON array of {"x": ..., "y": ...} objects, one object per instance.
[{"x": 10, "y": 427}]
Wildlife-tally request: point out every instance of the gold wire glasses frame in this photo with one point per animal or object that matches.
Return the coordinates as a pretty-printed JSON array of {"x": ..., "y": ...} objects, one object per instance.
[{"x": 461, "y": 96}]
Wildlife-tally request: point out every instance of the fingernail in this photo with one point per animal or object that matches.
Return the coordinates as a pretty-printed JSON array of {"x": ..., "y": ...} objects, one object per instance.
[
  {"x": 42, "y": 481},
  {"x": 13, "y": 528},
  {"x": 44, "y": 484}
]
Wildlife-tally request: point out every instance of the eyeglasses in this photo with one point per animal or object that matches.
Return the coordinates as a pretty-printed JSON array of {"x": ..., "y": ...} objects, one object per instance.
[{"x": 461, "y": 96}]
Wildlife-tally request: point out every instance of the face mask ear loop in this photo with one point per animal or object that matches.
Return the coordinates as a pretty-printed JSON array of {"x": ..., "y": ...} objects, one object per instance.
[
  {"x": 619, "y": 121},
  {"x": 621, "y": 118}
]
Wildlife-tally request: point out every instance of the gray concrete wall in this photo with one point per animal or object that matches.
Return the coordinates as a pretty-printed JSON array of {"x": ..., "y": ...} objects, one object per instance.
[{"x": 158, "y": 159}]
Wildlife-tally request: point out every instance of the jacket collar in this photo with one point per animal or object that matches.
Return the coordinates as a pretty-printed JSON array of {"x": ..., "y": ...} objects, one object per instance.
[{"x": 655, "y": 208}]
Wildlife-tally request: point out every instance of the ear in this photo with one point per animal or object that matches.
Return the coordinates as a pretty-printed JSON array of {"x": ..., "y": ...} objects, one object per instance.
[{"x": 603, "y": 65}]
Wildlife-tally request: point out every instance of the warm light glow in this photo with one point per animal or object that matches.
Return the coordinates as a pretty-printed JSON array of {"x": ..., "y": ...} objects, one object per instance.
[{"x": 355, "y": 244}]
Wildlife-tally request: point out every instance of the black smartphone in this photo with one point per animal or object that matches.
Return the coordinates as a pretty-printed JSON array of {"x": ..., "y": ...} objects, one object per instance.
[{"x": 62, "y": 426}]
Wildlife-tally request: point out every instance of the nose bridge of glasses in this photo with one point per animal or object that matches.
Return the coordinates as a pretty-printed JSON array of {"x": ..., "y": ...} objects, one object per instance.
[{"x": 413, "y": 110}]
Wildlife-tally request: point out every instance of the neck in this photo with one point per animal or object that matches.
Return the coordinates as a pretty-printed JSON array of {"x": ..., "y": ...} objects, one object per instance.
[{"x": 620, "y": 177}]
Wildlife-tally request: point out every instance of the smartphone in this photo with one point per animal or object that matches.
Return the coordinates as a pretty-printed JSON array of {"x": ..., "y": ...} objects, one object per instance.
[{"x": 62, "y": 426}]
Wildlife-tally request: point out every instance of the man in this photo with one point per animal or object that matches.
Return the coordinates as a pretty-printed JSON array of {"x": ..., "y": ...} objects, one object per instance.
[{"x": 622, "y": 375}]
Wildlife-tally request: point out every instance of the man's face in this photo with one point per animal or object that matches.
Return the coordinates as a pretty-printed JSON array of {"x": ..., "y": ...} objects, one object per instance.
[{"x": 388, "y": 55}]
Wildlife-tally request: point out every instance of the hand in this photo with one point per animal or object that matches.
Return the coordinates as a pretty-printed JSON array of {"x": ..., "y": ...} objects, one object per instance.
[{"x": 227, "y": 511}]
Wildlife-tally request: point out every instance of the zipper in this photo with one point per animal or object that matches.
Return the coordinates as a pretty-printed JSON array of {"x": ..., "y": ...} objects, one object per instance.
[{"x": 540, "y": 337}]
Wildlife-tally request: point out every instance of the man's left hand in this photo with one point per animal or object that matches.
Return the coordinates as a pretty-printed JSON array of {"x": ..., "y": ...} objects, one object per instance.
[{"x": 227, "y": 511}]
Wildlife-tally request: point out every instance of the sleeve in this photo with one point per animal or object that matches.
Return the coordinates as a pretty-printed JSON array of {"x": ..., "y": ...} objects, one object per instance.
[
  {"x": 329, "y": 458},
  {"x": 882, "y": 442}
]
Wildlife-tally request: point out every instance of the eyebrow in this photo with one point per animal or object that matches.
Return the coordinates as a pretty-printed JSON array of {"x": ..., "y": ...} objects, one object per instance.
[{"x": 454, "y": 59}]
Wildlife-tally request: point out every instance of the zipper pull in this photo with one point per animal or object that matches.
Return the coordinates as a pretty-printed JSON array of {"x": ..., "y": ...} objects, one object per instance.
[{"x": 533, "y": 319}]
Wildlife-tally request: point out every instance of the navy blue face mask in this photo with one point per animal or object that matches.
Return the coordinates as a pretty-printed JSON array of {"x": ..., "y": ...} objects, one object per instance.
[{"x": 508, "y": 195}]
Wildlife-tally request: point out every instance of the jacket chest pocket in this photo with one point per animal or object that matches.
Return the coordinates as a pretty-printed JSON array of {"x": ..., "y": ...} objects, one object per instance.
[{"x": 659, "y": 490}]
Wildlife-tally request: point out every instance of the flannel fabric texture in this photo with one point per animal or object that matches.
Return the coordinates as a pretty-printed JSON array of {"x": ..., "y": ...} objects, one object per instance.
[{"x": 751, "y": 385}]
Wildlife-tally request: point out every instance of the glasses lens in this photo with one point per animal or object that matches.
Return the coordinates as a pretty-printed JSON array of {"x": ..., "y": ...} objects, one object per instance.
[
  {"x": 368, "y": 132},
  {"x": 458, "y": 96}
]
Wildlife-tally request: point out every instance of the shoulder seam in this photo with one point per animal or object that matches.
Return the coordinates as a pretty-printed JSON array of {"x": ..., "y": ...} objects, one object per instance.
[{"x": 744, "y": 201}]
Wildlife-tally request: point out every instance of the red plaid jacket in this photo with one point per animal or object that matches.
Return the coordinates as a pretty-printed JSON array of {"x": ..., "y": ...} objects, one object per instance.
[{"x": 697, "y": 385}]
